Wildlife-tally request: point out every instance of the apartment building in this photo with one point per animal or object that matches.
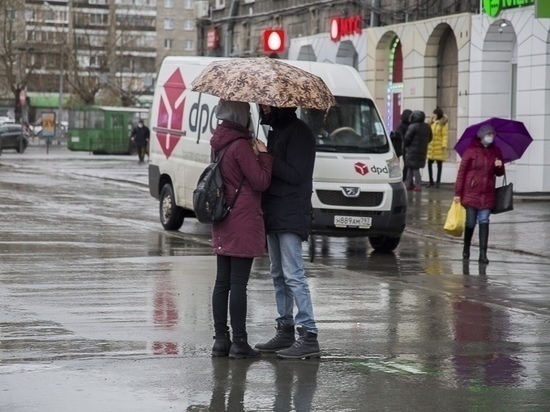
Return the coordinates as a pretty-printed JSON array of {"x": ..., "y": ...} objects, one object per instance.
[{"x": 176, "y": 29}]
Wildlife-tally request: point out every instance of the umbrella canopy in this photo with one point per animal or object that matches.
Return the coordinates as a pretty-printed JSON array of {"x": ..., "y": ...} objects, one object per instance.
[
  {"x": 512, "y": 137},
  {"x": 265, "y": 81}
]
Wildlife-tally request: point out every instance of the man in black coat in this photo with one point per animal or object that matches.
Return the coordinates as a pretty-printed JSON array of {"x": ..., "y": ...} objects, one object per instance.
[
  {"x": 140, "y": 137},
  {"x": 417, "y": 138},
  {"x": 287, "y": 212}
]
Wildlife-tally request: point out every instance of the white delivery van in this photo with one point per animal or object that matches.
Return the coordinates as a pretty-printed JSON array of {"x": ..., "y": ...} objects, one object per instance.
[{"x": 357, "y": 180}]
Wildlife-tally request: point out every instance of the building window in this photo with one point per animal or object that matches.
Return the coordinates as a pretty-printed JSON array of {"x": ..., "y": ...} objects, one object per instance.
[
  {"x": 97, "y": 1},
  {"x": 189, "y": 4},
  {"x": 168, "y": 24},
  {"x": 189, "y": 45},
  {"x": 99, "y": 19},
  {"x": 189, "y": 25},
  {"x": 168, "y": 4},
  {"x": 11, "y": 14},
  {"x": 220, "y": 4},
  {"x": 168, "y": 43}
]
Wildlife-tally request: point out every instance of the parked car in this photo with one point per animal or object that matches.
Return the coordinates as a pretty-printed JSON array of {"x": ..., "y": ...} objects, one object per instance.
[{"x": 13, "y": 136}]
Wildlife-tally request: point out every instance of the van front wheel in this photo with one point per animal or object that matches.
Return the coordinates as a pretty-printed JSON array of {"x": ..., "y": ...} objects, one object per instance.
[
  {"x": 171, "y": 215},
  {"x": 384, "y": 244}
]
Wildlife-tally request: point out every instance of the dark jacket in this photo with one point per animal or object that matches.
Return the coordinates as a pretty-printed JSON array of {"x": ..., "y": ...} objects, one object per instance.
[
  {"x": 400, "y": 131},
  {"x": 475, "y": 180},
  {"x": 141, "y": 135},
  {"x": 241, "y": 233},
  {"x": 417, "y": 138},
  {"x": 287, "y": 202}
]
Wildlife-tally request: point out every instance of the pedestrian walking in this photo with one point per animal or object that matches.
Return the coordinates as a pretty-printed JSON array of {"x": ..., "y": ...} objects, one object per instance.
[
  {"x": 402, "y": 130},
  {"x": 240, "y": 236},
  {"x": 475, "y": 187},
  {"x": 437, "y": 149},
  {"x": 417, "y": 138},
  {"x": 140, "y": 137},
  {"x": 287, "y": 212}
]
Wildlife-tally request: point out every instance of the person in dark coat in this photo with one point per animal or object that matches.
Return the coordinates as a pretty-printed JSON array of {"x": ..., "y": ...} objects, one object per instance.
[
  {"x": 241, "y": 235},
  {"x": 400, "y": 131},
  {"x": 287, "y": 211},
  {"x": 417, "y": 138},
  {"x": 140, "y": 136},
  {"x": 475, "y": 187}
]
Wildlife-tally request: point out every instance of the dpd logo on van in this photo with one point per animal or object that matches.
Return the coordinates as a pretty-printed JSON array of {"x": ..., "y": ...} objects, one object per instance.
[
  {"x": 170, "y": 114},
  {"x": 363, "y": 169}
]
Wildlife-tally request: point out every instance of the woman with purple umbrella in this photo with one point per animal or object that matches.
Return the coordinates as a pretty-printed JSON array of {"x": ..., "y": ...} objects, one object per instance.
[{"x": 475, "y": 187}]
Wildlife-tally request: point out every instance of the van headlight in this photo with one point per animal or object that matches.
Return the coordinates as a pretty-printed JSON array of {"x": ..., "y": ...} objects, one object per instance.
[{"x": 394, "y": 167}]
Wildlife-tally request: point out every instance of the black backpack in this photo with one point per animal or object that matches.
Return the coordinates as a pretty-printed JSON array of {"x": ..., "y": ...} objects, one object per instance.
[{"x": 208, "y": 198}]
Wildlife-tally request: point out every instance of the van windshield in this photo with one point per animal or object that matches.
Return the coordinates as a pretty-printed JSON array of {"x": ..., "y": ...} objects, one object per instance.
[{"x": 352, "y": 126}]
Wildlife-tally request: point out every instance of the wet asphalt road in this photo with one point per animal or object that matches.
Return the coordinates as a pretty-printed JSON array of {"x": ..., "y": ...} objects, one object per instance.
[{"x": 102, "y": 310}]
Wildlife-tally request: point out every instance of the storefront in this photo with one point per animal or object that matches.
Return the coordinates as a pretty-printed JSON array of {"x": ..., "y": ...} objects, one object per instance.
[{"x": 472, "y": 66}]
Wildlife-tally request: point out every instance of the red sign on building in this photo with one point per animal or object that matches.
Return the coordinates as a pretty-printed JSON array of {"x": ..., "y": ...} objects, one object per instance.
[
  {"x": 273, "y": 40},
  {"x": 345, "y": 26},
  {"x": 212, "y": 39}
]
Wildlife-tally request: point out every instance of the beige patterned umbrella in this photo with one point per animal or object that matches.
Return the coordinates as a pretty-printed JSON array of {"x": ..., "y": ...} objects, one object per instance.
[{"x": 266, "y": 81}]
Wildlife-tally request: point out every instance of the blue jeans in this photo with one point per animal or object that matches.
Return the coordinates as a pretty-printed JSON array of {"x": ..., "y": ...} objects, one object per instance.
[
  {"x": 289, "y": 280},
  {"x": 473, "y": 215}
]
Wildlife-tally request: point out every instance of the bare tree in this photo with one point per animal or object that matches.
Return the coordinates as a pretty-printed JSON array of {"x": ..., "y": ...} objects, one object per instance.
[
  {"x": 17, "y": 61},
  {"x": 101, "y": 49}
]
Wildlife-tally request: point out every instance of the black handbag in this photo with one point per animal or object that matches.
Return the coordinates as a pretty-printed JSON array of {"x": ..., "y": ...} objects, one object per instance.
[{"x": 504, "y": 198}]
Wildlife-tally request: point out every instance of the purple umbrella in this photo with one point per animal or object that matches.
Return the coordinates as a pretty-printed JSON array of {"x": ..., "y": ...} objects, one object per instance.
[{"x": 512, "y": 137}]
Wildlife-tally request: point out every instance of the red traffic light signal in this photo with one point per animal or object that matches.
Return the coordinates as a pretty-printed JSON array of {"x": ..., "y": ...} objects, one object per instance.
[{"x": 274, "y": 40}]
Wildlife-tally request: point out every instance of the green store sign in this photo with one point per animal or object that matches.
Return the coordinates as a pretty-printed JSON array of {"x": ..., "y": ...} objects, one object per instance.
[{"x": 494, "y": 7}]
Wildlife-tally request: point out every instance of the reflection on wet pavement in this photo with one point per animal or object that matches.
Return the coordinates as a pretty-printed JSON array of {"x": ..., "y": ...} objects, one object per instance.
[{"x": 101, "y": 308}]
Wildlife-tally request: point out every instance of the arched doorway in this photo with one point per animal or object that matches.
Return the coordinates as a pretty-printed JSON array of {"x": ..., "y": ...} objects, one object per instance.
[{"x": 442, "y": 46}]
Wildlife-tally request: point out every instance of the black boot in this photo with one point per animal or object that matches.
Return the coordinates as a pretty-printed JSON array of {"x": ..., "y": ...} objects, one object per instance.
[
  {"x": 240, "y": 349},
  {"x": 468, "y": 233},
  {"x": 221, "y": 345},
  {"x": 483, "y": 241},
  {"x": 284, "y": 338},
  {"x": 306, "y": 346},
  {"x": 431, "y": 177}
]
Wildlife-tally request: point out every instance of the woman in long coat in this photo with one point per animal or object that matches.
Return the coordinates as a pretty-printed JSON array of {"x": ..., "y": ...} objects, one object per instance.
[
  {"x": 475, "y": 187},
  {"x": 241, "y": 235},
  {"x": 437, "y": 149}
]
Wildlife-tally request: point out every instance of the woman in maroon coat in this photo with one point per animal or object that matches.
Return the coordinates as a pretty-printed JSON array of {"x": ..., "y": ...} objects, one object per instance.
[
  {"x": 241, "y": 235},
  {"x": 475, "y": 187}
]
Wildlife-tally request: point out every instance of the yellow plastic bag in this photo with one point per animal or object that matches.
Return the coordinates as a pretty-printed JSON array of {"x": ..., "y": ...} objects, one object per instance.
[{"x": 456, "y": 218}]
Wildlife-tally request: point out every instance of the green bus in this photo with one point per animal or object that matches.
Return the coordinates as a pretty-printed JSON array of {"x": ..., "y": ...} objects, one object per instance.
[{"x": 103, "y": 129}]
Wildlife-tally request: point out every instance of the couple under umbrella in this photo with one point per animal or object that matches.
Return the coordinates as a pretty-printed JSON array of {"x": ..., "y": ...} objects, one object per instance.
[{"x": 275, "y": 185}]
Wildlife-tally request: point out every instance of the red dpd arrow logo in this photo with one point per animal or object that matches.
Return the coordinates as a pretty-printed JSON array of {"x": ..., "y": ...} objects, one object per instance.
[{"x": 171, "y": 112}]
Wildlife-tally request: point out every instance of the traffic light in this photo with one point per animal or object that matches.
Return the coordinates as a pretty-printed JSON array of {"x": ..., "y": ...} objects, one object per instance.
[{"x": 274, "y": 40}]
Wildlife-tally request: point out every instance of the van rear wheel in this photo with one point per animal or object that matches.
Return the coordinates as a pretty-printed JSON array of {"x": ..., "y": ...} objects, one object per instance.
[
  {"x": 171, "y": 215},
  {"x": 384, "y": 244}
]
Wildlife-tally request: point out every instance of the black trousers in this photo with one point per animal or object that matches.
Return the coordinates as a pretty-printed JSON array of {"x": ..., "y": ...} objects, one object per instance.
[
  {"x": 141, "y": 151},
  {"x": 439, "y": 169},
  {"x": 230, "y": 292}
]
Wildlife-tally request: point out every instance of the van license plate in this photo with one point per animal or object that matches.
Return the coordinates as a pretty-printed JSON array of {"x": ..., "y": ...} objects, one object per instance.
[{"x": 353, "y": 221}]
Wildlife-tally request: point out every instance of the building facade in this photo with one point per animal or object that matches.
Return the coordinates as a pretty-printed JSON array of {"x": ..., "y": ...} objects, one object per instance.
[
  {"x": 100, "y": 51},
  {"x": 472, "y": 64},
  {"x": 176, "y": 33}
]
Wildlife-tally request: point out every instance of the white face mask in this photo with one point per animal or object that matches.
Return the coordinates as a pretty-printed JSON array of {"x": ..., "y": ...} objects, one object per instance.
[{"x": 487, "y": 140}]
